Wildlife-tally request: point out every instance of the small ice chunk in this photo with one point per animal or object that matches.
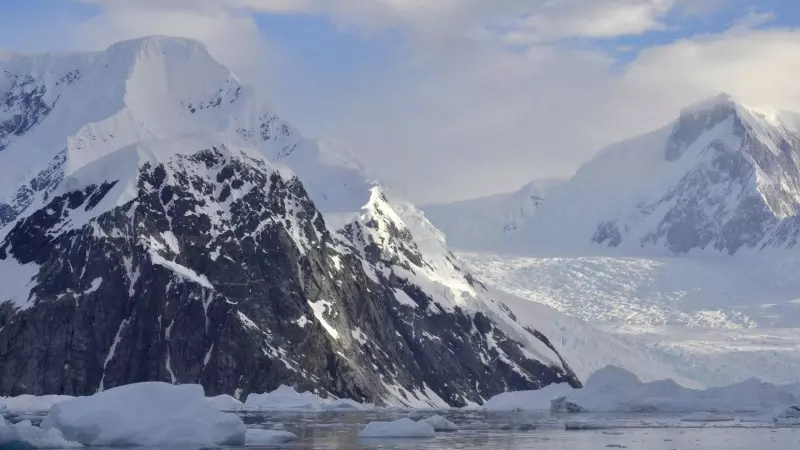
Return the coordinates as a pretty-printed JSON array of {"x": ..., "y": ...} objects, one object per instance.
[
  {"x": 788, "y": 417},
  {"x": 402, "y": 428},
  {"x": 23, "y": 435},
  {"x": 792, "y": 412},
  {"x": 538, "y": 400},
  {"x": 285, "y": 398},
  {"x": 146, "y": 414},
  {"x": 706, "y": 417},
  {"x": 612, "y": 389},
  {"x": 345, "y": 404},
  {"x": 588, "y": 425},
  {"x": 439, "y": 423},
  {"x": 257, "y": 437}
]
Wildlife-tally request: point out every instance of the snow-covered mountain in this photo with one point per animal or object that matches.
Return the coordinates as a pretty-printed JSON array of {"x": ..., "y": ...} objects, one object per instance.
[
  {"x": 481, "y": 223},
  {"x": 723, "y": 177},
  {"x": 680, "y": 243},
  {"x": 159, "y": 222}
]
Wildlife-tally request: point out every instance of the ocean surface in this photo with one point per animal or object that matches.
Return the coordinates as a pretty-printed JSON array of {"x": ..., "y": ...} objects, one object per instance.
[{"x": 517, "y": 431}]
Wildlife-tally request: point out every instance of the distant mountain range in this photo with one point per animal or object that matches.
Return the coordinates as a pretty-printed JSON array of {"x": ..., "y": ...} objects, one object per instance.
[{"x": 722, "y": 177}]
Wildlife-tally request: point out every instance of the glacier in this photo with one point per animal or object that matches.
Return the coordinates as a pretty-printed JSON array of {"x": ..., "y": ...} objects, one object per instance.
[{"x": 679, "y": 243}]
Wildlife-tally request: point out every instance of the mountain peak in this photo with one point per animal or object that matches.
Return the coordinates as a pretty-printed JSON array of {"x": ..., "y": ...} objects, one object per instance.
[
  {"x": 726, "y": 103},
  {"x": 159, "y": 42},
  {"x": 166, "y": 56},
  {"x": 719, "y": 101},
  {"x": 702, "y": 117}
]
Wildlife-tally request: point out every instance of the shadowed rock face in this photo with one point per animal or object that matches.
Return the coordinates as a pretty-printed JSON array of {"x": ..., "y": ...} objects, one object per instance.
[
  {"x": 38, "y": 188},
  {"x": 222, "y": 272},
  {"x": 23, "y": 105},
  {"x": 691, "y": 126}
]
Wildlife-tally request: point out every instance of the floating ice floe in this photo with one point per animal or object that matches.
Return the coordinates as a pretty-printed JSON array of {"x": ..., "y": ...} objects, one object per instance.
[
  {"x": 538, "y": 400},
  {"x": 439, "y": 423},
  {"x": 612, "y": 389},
  {"x": 398, "y": 429},
  {"x": 257, "y": 437},
  {"x": 286, "y": 398},
  {"x": 24, "y": 435},
  {"x": 146, "y": 414}
]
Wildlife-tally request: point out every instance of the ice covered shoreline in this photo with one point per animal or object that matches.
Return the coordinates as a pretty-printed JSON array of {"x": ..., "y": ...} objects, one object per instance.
[{"x": 158, "y": 414}]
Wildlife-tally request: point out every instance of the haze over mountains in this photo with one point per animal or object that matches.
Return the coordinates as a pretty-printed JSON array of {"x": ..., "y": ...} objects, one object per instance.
[{"x": 723, "y": 177}]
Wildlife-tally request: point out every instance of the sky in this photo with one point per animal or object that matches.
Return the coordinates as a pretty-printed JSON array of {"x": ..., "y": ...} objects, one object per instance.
[{"x": 455, "y": 99}]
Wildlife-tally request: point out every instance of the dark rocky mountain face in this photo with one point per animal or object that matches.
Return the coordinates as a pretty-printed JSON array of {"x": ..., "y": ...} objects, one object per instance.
[
  {"x": 25, "y": 103},
  {"x": 220, "y": 271},
  {"x": 39, "y": 187}
]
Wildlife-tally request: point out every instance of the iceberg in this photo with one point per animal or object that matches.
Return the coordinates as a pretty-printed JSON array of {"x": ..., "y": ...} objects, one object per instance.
[
  {"x": 538, "y": 400},
  {"x": 285, "y": 398},
  {"x": 612, "y": 389},
  {"x": 146, "y": 414}
]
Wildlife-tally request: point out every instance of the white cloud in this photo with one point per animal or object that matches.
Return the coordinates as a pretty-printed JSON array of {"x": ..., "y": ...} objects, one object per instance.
[
  {"x": 457, "y": 115},
  {"x": 757, "y": 66},
  {"x": 590, "y": 19},
  {"x": 233, "y": 37},
  {"x": 480, "y": 120}
]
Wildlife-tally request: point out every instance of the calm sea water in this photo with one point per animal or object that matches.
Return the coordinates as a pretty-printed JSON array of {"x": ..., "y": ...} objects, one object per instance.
[{"x": 518, "y": 431}]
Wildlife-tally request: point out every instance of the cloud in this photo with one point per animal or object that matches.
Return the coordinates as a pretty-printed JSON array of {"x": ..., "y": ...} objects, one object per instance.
[
  {"x": 457, "y": 113},
  {"x": 232, "y": 36},
  {"x": 757, "y": 66},
  {"x": 590, "y": 19},
  {"x": 542, "y": 19},
  {"x": 481, "y": 120}
]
